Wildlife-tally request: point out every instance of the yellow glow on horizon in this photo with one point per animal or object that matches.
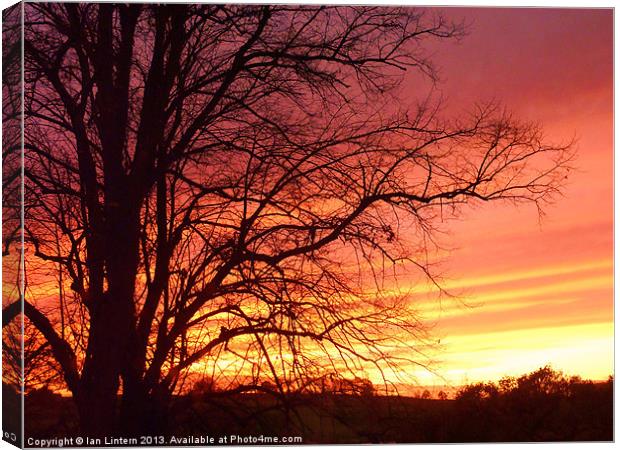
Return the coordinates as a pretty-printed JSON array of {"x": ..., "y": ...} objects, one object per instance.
[{"x": 582, "y": 350}]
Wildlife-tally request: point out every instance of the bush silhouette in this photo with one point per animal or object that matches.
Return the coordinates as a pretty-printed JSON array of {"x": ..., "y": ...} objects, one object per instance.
[{"x": 543, "y": 405}]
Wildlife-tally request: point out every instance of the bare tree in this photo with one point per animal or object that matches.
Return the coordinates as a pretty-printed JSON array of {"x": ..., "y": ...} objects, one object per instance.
[{"x": 234, "y": 183}]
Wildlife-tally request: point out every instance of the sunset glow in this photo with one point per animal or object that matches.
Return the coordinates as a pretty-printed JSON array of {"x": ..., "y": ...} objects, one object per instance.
[{"x": 541, "y": 292}]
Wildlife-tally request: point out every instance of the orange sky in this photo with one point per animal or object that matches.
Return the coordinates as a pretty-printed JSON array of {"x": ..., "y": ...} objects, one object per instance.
[{"x": 544, "y": 291}]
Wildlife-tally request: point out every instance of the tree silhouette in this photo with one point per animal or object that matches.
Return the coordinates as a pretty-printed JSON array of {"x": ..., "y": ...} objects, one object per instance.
[
  {"x": 210, "y": 182},
  {"x": 544, "y": 405}
]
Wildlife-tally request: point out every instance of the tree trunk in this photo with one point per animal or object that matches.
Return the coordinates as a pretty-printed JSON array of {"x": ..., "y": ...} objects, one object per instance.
[
  {"x": 100, "y": 377},
  {"x": 96, "y": 407},
  {"x": 143, "y": 412},
  {"x": 112, "y": 328}
]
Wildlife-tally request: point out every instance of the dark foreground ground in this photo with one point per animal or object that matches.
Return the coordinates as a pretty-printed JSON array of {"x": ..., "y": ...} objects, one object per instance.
[{"x": 580, "y": 412}]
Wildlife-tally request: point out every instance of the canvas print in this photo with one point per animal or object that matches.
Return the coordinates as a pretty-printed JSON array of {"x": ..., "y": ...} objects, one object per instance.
[{"x": 230, "y": 224}]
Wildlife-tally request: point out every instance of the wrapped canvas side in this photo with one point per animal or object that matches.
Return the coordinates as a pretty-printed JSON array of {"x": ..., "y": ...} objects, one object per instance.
[{"x": 12, "y": 226}]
